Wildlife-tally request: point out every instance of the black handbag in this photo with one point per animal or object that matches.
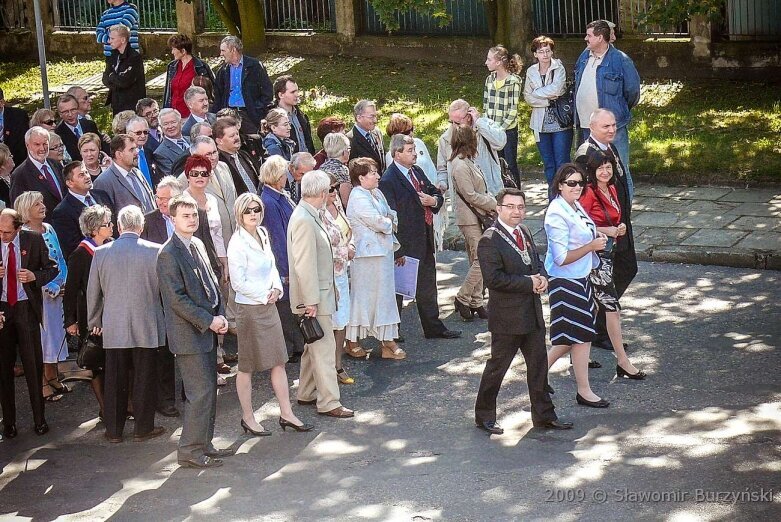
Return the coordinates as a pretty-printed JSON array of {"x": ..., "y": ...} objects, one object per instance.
[
  {"x": 563, "y": 107},
  {"x": 310, "y": 328},
  {"x": 507, "y": 177},
  {"x": 91, "y": 354}
]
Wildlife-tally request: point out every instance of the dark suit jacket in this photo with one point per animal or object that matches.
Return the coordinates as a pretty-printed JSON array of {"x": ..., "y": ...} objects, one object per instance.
[
  {"x": 361, "y": 148},
  {"x": 74, "y": 302},
  {"x": 154, "y": 172},
  {"x": 151, "y": 142},
  {"x": 15, "y": 124},
  {"x": 188, "y": 312},
  {"x": 256, "y": 88},
  {"x": 5, "y": 193},
  {"x": 306, "y": 128},
  {"x": 156, "y": 232},
  {"x": 127, "y": 84},
  {"x": 70, "y": 140},
  {"x": 28, "y": 177},
  {"x": 249, "y": 166},
  {"x": 35, "y": 258},
  {"x": 513, "y": 306},
  {"x": 404, "y": 200},
  {"x": 167, "y": 153},
  {"x": 190, "y": 121},
  {"x": 65, "y": 219}
]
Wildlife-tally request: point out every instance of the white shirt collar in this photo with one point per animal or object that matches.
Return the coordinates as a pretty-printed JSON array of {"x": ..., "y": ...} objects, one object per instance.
[
  {"x": 81, "y": 198},
  {"x": 507, "y": 227},
  {"x": 121, "y": 170},
  {"x": 601, "y": 145}
]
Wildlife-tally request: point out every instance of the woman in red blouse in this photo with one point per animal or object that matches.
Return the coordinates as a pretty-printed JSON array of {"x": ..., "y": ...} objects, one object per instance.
[
  {"x": 182, "y": 70},
  {"x": 600, "y": 201}
]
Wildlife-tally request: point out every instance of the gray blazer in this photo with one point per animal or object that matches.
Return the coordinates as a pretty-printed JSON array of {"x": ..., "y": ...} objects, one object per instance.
[
  {"x": 167, "y": 153},
  {"x": 188, "y": 312},
  {"x": 123, "y": 297},
  {"x": 120, "y": 191},
  {"x": 190, "y": 121}
]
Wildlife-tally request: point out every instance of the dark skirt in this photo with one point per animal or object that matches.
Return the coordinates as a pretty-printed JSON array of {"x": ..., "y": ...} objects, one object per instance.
[
  {"x": 601, "y": 279},
  {"x": 572, "y": 311}
]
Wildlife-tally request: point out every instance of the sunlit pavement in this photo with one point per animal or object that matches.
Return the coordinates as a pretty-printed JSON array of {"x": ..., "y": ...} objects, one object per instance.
[{"x": 698, "y": 439}]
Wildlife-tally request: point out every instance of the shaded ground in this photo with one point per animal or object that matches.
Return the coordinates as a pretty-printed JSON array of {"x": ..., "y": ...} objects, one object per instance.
[{"x": 706, "y": 420}]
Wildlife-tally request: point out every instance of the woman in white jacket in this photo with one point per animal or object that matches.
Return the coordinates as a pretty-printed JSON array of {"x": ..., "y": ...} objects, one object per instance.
[
  {"x": 257, "y": 284},
  {"x": 546, "y": 80}
]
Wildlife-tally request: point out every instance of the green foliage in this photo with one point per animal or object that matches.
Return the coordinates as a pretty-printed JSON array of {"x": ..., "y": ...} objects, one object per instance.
[
  {"x": 672, "y": 12},
  {"x": 388, "y": 9}
]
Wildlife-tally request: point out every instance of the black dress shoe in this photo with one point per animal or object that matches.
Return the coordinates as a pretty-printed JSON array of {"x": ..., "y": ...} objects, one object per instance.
[
  {"x": 481, "y": 312},
  {"x": 549, "y": 389},
  {"x": 554, "y": 425},
  {"x": 42, "y": 428},
  {"x": 463, "y": 310},
  {"x": 447, "y": 334},
  {"x": 639, "y": 376},
  {"x": 594, "y": 364},
  {"x": 491, "y": 427},
  {"x": 156, "y": 432},
  {"x": 9, "y": 431},
  {"x": 204, "y": 461},
  {"x": 219, "y": 453},
  {"x": 168, "y": 411},
  {"x": 601, "y": 403},
  {"x": 307, "y": 403}
]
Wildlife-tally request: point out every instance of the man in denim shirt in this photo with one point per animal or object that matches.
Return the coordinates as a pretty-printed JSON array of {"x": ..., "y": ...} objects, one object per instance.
[{"x": 606, "y": 78}]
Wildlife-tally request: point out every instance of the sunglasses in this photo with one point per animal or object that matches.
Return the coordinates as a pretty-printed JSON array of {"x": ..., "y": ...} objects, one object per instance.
[
  {"x": 141, "y": 133},
  {"x": 198, "y": 174},
  {"x": 252, "y": 210},
  {"x": 575, "y": 183},
  {"x": 333, "y": 189},
  {"x": 49, "y": 122}
]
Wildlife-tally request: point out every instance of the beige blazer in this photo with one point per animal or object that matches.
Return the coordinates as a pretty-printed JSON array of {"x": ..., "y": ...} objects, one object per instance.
[
  {"x": 469, "y": 183},
  {"x": 311, "y": 262}
]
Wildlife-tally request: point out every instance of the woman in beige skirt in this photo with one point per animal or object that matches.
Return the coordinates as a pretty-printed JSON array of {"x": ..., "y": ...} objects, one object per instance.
[{"x": 255, "y": 279}]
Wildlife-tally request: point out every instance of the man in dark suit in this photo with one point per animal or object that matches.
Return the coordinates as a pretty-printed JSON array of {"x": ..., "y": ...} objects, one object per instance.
[
  {"x": 243, "y": 170},
  {"x": 71, "y": 128},
  {"x": 300, "y": 164},
  {"x": 193, "y": 316},
  {"x": 173, "y": 145},
  {"x": 80, "y": 195},
  {"x": 26, "y": 268},
  {"x": 365, "y": 137},
  {"x": 286, "y": 96},
  {"x": 148, "y": 109},
  {"x": 124, "y": 73},
  {"x": 242, "y": 83},
  {"x": 513, "y": 273},
  {"x": 158, "y": 228},
  {"x": 415, "y": 199},
  {"x": 198, "y": 102},
  {"x": 13, "y": 125},
  {"x": 37, "y": 172}
]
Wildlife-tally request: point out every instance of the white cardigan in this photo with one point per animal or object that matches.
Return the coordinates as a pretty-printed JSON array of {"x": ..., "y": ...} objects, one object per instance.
[
  {"x": 373, "y": 223},
  {"x": 566, "y": 231},
  {"x": 538, "y": 95},
  {"x": 253, "y": 272}
]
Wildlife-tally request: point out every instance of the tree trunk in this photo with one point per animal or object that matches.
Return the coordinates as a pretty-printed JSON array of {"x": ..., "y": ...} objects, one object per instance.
[
  {"x": 226, "y": 18},
  {"x": 253, "y": 25}
]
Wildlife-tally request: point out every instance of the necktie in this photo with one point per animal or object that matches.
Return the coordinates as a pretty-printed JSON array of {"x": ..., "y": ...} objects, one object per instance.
[
  {"x": 243, "y": 173},
  {"x": 207, "y": 282},
  {"x": 77, "y": 132},
  {"x": 10, "y": 276},
  {"x": 88, "y": 200},
  {"x": 141, "y": 194},
  {"x": 519, "y": 239},
  {"x": 376, "y": 147},
  {"x": 143, "y": 166},
  {"x": 182, "y": 144},
  {"x": 415, "y": 183},
  {"x": 50, "y": 181}
]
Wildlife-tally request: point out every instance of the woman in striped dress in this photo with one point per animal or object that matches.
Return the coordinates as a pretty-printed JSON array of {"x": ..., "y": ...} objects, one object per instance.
[{"x": 573, "y": 241}]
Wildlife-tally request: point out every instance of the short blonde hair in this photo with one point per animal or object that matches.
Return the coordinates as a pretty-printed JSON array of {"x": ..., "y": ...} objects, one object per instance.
[
  {"x": 25, "y": 201},
  {"x": 120, "y": 121},
  {"x": 242, "y": 204},
  {"x": 399, "y": 124},
  {"x": 273, "y": 169},
  {"x": 335, "y": 144}
]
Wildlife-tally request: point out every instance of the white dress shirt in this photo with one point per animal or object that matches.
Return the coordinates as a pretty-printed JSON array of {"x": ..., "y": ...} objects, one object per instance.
[{"x": 252, "y": 268}]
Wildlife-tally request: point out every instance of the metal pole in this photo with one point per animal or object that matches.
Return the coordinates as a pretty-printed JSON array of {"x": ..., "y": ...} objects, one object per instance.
[{"x": 42, "y": 54}]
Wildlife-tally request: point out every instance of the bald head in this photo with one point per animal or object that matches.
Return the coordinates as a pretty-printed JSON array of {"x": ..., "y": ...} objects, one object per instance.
[{"x": 602, "y": 125}]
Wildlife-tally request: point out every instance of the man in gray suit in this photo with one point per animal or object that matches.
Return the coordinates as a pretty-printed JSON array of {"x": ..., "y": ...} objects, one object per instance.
[
  {"x": 197, "y": 101},
  {"x": 174, "y": 144},
  {"x": 193, "y": 315},
  {"x": 123, "y": 302},
  {"x": 313, "y": 294},
  {"x": 122, "y": 181}
]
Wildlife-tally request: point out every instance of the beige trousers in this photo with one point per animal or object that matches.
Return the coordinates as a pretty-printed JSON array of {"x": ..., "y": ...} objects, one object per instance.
[
  {"x": 318, "y": 370},
  {"x": 471, "y": 291}
]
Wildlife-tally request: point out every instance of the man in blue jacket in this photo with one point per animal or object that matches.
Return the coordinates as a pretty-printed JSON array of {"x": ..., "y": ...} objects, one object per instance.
[{"x": 606, "y": 78}]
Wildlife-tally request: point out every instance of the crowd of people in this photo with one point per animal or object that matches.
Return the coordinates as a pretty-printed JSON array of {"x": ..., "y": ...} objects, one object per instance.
[{"x": 216, "y": 216}]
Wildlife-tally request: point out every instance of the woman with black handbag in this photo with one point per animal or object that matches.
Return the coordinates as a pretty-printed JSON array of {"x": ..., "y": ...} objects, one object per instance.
[
  {"x": 95, "y": 223},
  {"x": 601, "y": 203},
  {"x": 475, "y": 210},
  {"x": 545, "y": 90}
]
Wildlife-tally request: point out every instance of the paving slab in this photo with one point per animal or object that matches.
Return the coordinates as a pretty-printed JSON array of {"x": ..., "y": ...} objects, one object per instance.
[
  {"x": 709, "y": 193},
  {"x": 655, "y": 219},
  {"x": 659, "y": 191},
  {"x": 754, "y": 223},
  {"x": 758, "y": 209},
  {"x": 714, "y": 238},
  {"x": 703, "y": 205},
  {"x": 767, "y": 241},
  {"x": 654, "y": 204},
  {"x": 662, "y": 236},
  {"x": 751, "y": 195},
  {"x": 704, "y": 220}
]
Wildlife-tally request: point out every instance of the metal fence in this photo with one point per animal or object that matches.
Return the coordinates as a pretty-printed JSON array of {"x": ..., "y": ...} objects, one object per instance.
[
  {"x": 637, "y": 8},
  {"x": 155, "y": 15},
  {"x": 286, "y": 15},
  {"x": 468, "y": 19},
  {"x": 754, "y": 19}
]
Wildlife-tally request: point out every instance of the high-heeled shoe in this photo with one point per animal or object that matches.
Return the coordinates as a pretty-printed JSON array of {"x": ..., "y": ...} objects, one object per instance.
[
  {"x": 263, "y": 433},
  {"x": 284, "y": 424},
  {"x": 42, "y": 428},
  {"x": 601, "y": 403},
  {"x": 639, "y": 376}
]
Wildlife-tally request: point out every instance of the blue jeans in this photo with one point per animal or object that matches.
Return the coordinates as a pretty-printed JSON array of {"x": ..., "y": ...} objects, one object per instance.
[
  {"x": 510, "y": 154},
  {"x": 555, "y": 149},
  {"x": 621, "y": 143}
]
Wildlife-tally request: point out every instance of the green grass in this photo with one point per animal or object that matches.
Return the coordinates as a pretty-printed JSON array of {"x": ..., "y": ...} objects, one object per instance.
[{"x": 692, "y": 132}]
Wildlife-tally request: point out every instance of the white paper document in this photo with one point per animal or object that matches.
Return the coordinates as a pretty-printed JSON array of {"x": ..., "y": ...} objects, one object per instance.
[{"x": 407, "y": 277}]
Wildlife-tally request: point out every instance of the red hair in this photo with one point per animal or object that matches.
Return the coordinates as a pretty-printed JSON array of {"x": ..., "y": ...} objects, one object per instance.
[{"x": 197, "y": 160}]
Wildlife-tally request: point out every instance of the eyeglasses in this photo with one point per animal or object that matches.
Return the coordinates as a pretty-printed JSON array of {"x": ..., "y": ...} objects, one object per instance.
[
  {"x": 107, "y": 225},
  {"x": 141, "y": 133},
  {"x": 514, "y": 207},
  {"x": 198, "y": 174},
  {"x": 57, "y": 147},
  {"x": 333, "y": 188},
  {"x": 49, "y": 122},
  {"x": 575, "y": 183},
  {"x": 252, "y": 210}
]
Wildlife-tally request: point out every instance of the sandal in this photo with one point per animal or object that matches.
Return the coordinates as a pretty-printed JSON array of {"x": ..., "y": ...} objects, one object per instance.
[
  {"x": 343, "y": 377},
  {"x": 53, "y": 396},
  {"x": 354, "y": 349},
  {"x": 58, "y": 386},
  {"x": 390, "y": 350}
]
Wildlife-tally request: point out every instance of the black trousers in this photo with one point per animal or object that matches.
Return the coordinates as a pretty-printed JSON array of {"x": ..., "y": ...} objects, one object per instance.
[
  {"x": 503, "y": 350},
  {"x": 426, "y": 294},
  {"x": 293, "y": 338},
  {"x": 166, "y": 378},
  {"x": 22, "y": 329},
  {"x": 117, "y": 388}
]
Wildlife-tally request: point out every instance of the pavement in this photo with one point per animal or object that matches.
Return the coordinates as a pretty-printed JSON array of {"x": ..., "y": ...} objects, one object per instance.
[
  {"x": 721, "y": 226},
  {"x": 697, "y": 440}
]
